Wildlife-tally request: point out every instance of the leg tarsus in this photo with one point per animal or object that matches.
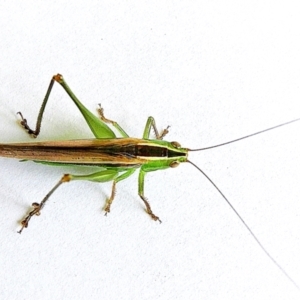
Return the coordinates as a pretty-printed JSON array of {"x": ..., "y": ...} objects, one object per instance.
[
  {"x": 149, "y": 210},
  {"x": 108, "y": 121},
  {"x": 37, "y": 207},
  {"x": 110, "y": 199},
  {"x": 35, "y": 211},
  {"x": 26, "y": 127},
  {"x": 158, "y": 135},
  {"x": 103, "y": 118},
  {"x": 163, "y": 133}
]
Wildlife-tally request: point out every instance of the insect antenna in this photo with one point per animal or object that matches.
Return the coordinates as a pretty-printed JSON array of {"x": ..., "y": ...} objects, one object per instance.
[
  {"x": 245, "y": 137},
  {"x": 245, "y": 224}
]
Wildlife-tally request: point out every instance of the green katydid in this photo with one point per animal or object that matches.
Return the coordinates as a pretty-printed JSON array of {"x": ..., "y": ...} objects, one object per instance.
[{"x": 117, "y": 158}]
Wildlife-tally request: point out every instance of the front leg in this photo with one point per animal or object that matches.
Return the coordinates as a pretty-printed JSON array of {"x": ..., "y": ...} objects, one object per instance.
[
  {"x": 151, "y": 123},
  {"x": 141, "y": 194}
]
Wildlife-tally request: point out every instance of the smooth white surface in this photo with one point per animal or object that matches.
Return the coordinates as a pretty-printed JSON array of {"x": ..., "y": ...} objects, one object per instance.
[{"x": 214, "y": 72}]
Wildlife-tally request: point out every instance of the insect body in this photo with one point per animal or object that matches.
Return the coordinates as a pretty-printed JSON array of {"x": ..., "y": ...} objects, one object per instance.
[{"x": 117, "y": 158}]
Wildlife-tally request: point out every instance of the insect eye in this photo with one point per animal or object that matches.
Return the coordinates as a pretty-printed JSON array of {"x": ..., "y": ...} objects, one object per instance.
[
  {"x": 175, "y": 144},
  {"x": 174, "y": 164}
]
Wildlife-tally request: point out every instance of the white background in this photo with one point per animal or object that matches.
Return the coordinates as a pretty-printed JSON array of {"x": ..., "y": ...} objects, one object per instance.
[{"x": 214, "y": 72}]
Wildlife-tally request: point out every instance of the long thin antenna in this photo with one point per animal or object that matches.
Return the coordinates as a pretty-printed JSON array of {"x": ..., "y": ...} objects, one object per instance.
[
  {"x": 247, "y": 136},
  {"x": 247, "y": 227}
]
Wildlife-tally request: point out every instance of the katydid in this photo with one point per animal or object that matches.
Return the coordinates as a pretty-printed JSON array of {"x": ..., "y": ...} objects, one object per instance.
[{"x": 117, "y": 158}]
